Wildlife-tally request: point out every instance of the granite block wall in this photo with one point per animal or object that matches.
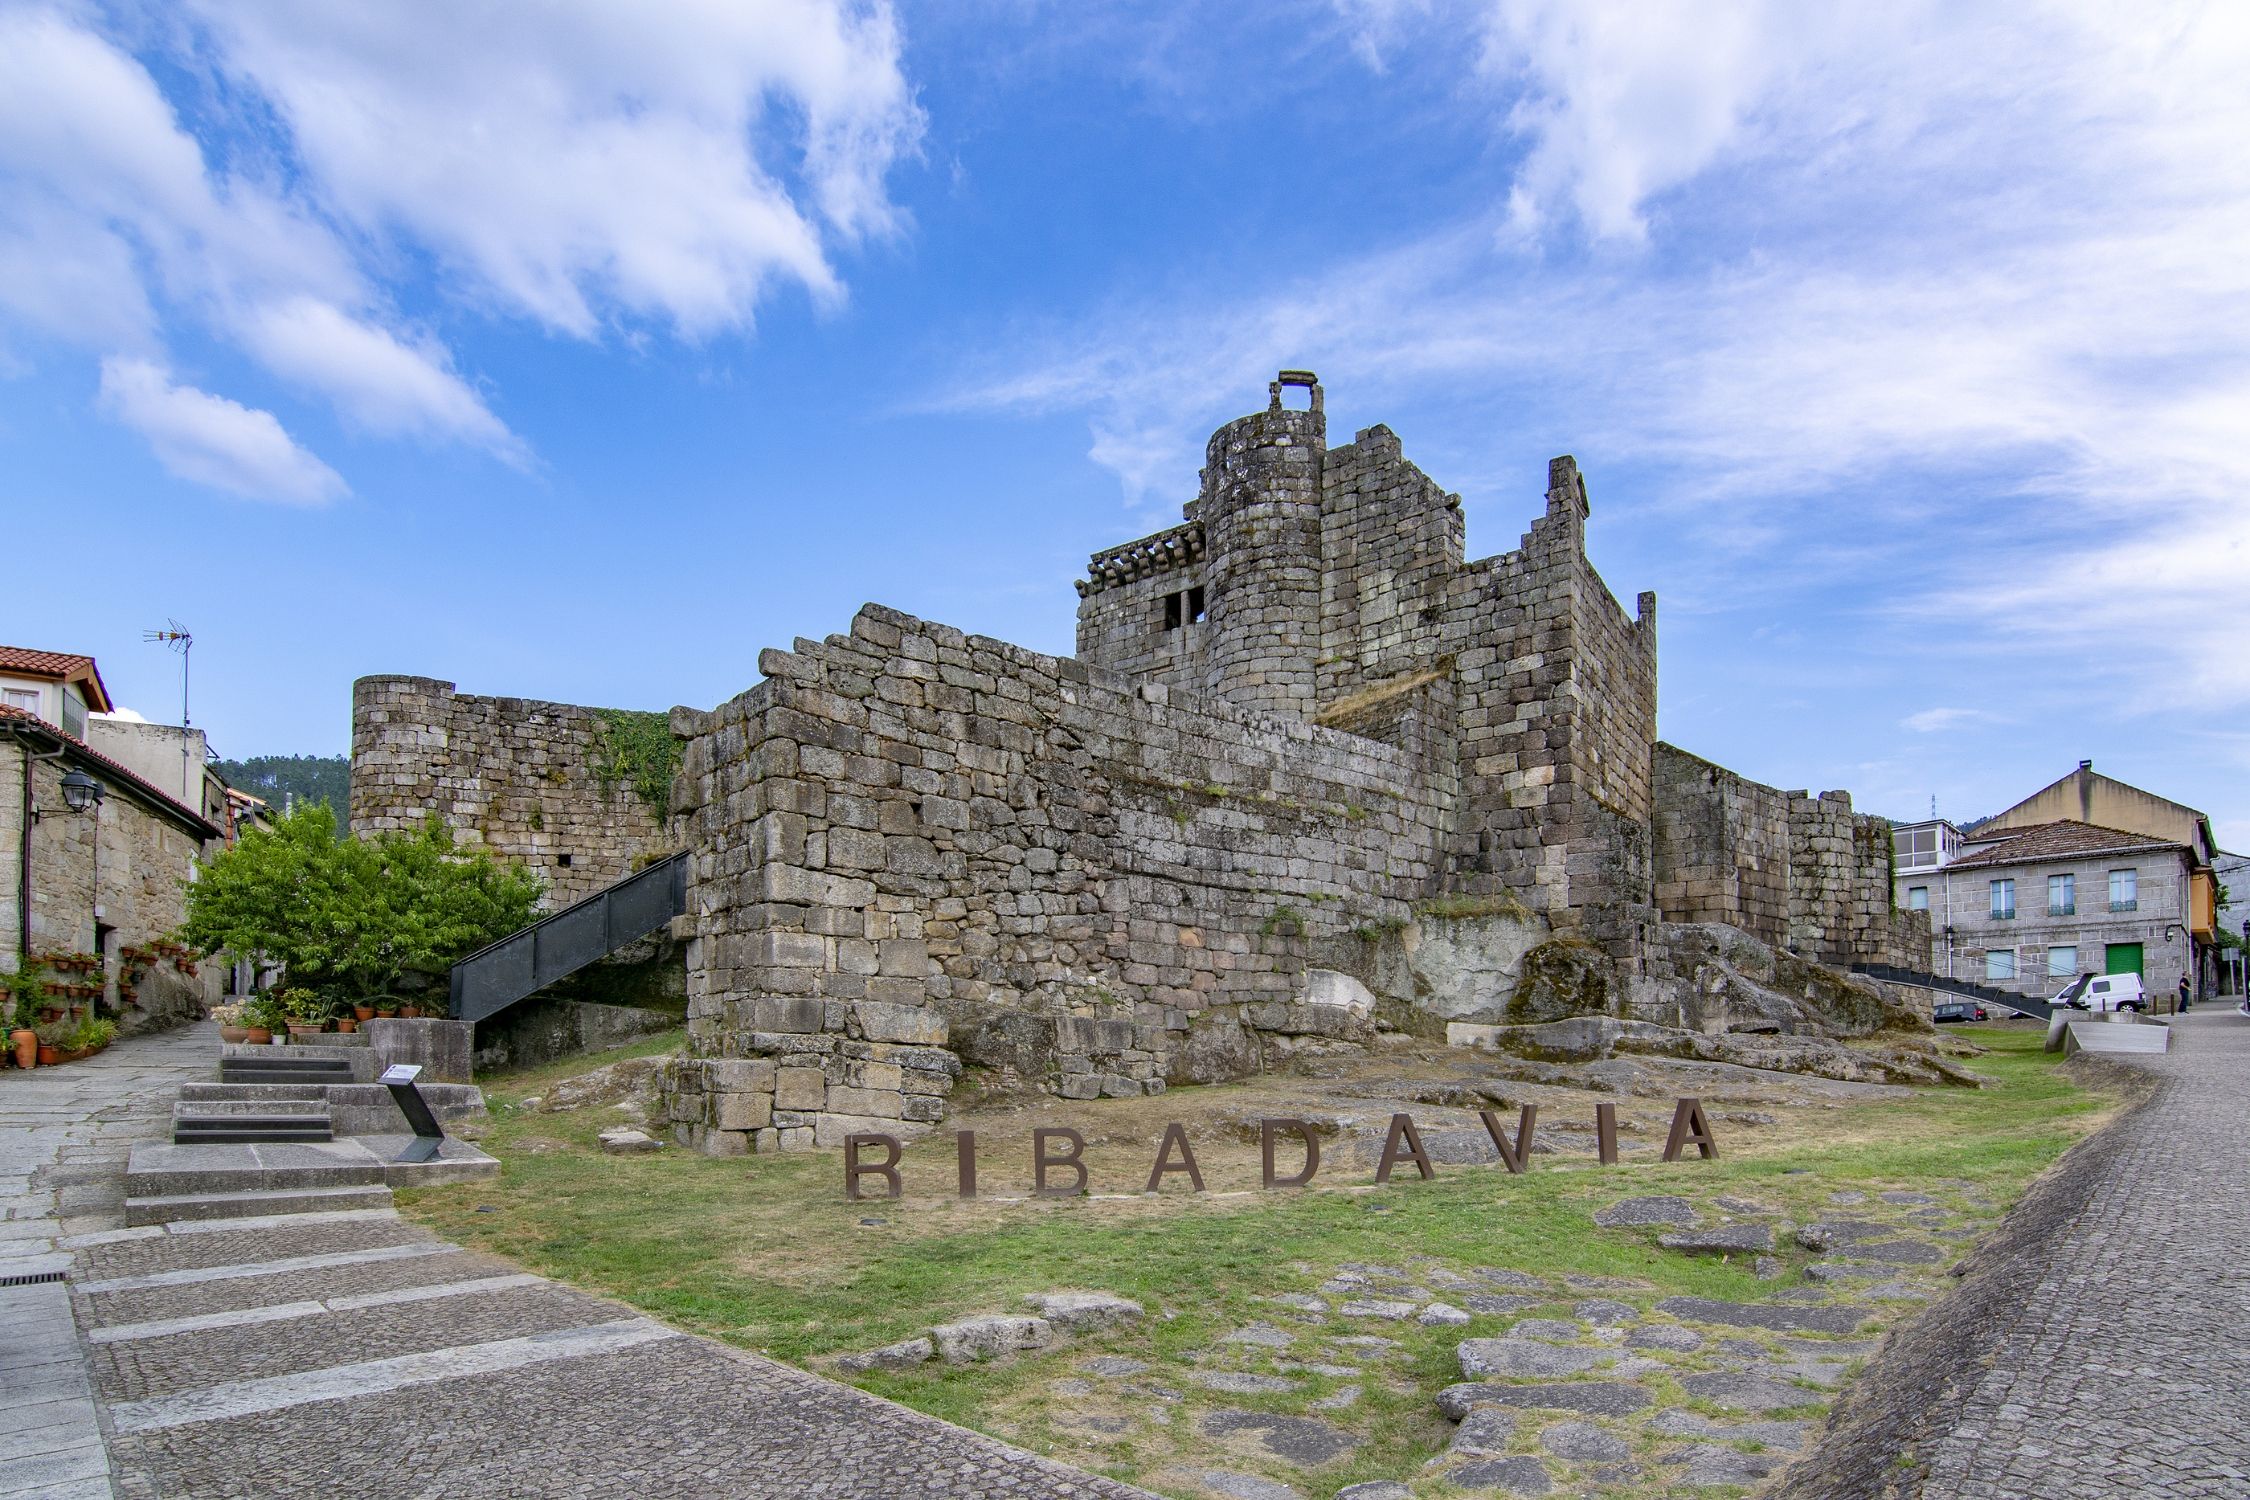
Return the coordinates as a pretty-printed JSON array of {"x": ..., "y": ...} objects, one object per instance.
[
  {"x": 913, "y": 846},
  {"x": 1792, "y": 869},
  {"x": 513, "y": 775}
]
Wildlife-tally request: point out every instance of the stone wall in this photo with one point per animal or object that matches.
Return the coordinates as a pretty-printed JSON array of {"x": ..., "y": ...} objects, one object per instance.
[
  {"x": 1791, "y": 869},
  {"x": 513, "y": 775},
  {"x": 913, "y": 845},
  {"x": 1138, "y": 610}
]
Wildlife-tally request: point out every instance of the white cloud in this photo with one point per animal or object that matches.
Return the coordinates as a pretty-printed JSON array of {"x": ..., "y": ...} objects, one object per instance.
[
  {"x": 1933, "y": 720},
  {"x": 562, "y": 159},
  {"x": 1624, "y": 101},
  {"x": 375, "y": 378},
  {"x": 210, "y": 440},
  {"x": 580, "y": 164}
]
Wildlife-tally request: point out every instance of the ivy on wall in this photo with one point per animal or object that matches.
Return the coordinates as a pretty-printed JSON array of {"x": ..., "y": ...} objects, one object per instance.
[{"x": 639, "y": 748}]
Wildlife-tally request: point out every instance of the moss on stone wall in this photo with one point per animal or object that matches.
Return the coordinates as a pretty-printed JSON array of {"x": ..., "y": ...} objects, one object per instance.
[
  {"x": 1562, "y": 977},
  {"x": 637, "y": 747}
]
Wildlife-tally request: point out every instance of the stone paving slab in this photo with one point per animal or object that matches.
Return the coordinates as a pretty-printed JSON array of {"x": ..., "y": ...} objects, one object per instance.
[
  {"x": 680, "y": 1417},
  {"x": 136, "y": 1369}
]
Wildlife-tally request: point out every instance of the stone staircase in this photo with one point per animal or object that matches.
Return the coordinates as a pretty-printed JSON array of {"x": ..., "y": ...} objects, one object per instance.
[
  {"x": 293, "y": 1129},
  {"x": 320, "y": 1065},
  {"x": 207, "y": 1122}
]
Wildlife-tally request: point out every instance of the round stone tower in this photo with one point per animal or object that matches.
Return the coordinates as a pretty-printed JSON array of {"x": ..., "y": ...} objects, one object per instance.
[{"x": 1260, "y": 509}]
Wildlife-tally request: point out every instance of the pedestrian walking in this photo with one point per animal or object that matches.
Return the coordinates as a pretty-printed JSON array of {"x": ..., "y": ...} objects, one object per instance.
[{"x": 2183, "y": 992}]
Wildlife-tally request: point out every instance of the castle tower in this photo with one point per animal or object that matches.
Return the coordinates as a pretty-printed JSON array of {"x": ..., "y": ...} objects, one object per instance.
[{"x": 1260, "y": 510}]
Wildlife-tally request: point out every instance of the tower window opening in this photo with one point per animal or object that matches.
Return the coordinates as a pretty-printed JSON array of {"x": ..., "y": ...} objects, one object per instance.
[{"x": 1183, "y": 608}]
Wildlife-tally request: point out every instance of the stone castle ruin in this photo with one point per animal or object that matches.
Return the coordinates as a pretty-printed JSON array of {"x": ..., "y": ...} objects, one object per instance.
[{"x": 1313, "y": 778}]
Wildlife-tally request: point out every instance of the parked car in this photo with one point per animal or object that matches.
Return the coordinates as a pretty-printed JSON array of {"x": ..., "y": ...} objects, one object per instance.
[
  {"x": 1957, "y": 1010},
  {"x": 2104, "y": 992}
]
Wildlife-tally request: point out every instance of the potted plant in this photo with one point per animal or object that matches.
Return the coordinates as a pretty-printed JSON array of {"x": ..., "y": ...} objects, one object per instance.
[
  {"x": 229, "y": 1017},
  {"x": 262, "y": 1015},
  {"x": 88, "y": 1037},
  {"x": 54, "y": 1040},
  {"x": 347, "y": 1016},
  {"x": 305, "y": 1012},
  {"x": 364, "y": 1011},
  {"x": 27, "y": 991},
  {"x": 386, "y": 1006}
]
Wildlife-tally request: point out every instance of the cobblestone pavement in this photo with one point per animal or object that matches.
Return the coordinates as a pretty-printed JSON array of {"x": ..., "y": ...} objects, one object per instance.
[
  {"x": 353, "y": 1353},
  {"x": 63, "y": 1137},
  {"x": 2101, "y": 1345}
]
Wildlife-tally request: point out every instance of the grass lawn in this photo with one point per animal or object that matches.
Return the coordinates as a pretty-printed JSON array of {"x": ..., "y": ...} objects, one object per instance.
[{"x": 764, "y": 1252}]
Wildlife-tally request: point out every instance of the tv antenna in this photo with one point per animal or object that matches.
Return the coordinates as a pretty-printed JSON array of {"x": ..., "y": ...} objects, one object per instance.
[{"x": 175, "y": 635}]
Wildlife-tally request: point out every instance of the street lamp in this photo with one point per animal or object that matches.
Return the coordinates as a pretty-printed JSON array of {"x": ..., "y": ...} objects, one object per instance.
[{"x": 80, "y": 790}]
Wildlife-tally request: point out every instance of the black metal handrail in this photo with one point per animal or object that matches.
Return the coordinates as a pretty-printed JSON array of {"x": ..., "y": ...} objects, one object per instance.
[
  {"x": 561, "y": 943},
  {"x": 2023, "y": 1005}
]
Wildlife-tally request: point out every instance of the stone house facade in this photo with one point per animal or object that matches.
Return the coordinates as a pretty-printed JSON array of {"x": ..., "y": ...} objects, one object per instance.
[
  {"x": 1311, "y": 771},
  {"x": 2030, "y": 909},
  {"x": 102, "y": 880}
]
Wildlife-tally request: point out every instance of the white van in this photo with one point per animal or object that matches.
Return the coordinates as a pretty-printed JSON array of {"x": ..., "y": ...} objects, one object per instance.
[{"x": 2104, "y": 992}]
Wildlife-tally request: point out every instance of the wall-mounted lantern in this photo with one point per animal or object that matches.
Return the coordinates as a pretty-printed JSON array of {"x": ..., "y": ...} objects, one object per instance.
[{"x": 80, "y": 790}]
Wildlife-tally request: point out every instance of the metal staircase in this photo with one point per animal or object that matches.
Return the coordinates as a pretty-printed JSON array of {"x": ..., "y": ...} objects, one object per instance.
[
  {"x": 2022, "y": 1005},
  {"x": 561, "y": 943}
]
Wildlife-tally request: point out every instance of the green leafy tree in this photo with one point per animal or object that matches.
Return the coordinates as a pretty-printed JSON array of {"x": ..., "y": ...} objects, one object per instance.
[{"x": 349, "y": 917}]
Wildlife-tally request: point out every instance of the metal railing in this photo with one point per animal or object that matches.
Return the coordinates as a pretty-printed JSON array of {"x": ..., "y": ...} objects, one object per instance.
[
  {"x": 2023, "y": 1005},
  {"x": 561, "y": 943}
]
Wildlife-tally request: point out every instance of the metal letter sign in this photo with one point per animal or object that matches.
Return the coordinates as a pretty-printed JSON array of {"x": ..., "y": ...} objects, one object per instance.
[
  {"x": 429, "y": 1136},
  {"x": 1176, "y": 1157}
]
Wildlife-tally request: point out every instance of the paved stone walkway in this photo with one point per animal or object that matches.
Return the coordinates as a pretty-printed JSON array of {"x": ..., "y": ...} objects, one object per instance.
[
  {"x": 353, "y": 1353},
  {"x": 2127, "y": 1372},
  {"x": 64, "y": 1133},
  {"x": 2099, "y": 1346}
]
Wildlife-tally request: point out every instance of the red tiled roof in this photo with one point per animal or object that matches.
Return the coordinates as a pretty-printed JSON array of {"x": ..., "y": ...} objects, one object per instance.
[
  {"x": 62, "y": 666},
  {"x": 41, "y": 663},
  {"x": 2058, "y": 840},
  {"x": 110, "y": 768}
]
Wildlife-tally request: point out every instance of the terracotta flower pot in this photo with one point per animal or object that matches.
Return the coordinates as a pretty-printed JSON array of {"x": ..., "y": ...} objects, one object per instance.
[
  {"x": 304, "y": 1028},
  {"x": 49, "y": 1056},
  {"x": 363, "y": 1012},
  {"x": 257, "y": 1036},
  {"x": 26, "y": 1044},
  {"x": 234, "y": 1033},
  {"x": 411, "y": 1012},
  {"x": 347, "y": 1023}
]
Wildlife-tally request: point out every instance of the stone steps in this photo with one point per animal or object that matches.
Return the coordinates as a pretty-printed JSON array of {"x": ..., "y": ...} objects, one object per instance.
[
  {"x": 286, "y": 1069},
  {"x": 354, "y": 1108},
  {"x": 218, "y": 1121},
  {"x": 170, "y": 1208}
]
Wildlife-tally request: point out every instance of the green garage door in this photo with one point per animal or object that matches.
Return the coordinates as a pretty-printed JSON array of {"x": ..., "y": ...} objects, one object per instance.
[{"x": 2122, "y": 958}]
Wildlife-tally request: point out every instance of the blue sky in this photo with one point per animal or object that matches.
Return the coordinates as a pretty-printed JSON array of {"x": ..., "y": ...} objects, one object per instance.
[{"x": 580, "y": 354}]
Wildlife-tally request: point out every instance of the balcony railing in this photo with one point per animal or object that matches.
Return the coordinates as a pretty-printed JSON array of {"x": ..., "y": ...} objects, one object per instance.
[
  {"x": 2129, "y": 904},
  {"x": 2067, "y": 909}
]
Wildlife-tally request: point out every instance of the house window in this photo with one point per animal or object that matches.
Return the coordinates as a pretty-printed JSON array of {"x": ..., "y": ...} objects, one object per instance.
[
  {"x": 26, "y": 699},
  {"x": 2003, "y": 900},
  {"x": 1183, "y": 608},
  {"x": 1916, "y": 848},
  {"x": 2062, "y": 963},
  {"x": 2000, "y": 963},
  {"x": 1917, "y": 898},
  {"x": 2124, "y": 890},
  {"x": 2062, "y": 895}
]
